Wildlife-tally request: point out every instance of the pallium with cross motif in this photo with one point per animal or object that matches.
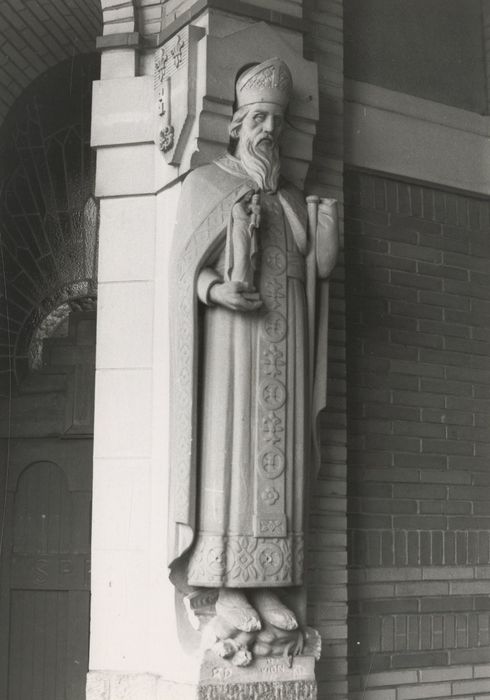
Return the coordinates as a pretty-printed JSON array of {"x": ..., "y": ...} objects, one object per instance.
[{"x": 254, "y": 425}]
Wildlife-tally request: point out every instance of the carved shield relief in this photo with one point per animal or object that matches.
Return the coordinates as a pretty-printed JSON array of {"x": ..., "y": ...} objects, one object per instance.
[{"x": 175, "y": 79}]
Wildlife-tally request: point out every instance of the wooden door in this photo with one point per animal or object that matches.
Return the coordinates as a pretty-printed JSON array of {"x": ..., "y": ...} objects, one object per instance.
[
  {"x": 46, "y": 509},
  {"x": 45, "y": 580}
]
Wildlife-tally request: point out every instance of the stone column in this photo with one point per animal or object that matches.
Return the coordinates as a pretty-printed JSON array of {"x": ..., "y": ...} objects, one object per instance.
[
  {"x": 135, "y": 650},
  {"x": 131, "y": 635}
]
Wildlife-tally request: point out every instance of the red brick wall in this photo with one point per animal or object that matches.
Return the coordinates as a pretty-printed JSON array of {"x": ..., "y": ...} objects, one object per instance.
[{"x": 418, "y": 369}]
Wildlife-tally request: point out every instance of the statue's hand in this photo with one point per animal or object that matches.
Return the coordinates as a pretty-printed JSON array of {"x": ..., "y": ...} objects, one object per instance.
[
  {"x": 242, "y": 209},
  {"x": 236, "y": 296}
]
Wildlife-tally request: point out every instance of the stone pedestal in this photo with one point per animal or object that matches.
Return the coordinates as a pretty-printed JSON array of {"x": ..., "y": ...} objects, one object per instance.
[
  {"x": 268, "y": 679},
  {"x": 265, "y": 679}
]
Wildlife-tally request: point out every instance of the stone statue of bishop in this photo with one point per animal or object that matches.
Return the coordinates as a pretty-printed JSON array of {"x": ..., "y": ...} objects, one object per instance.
[{"x": 249, "y": 345}]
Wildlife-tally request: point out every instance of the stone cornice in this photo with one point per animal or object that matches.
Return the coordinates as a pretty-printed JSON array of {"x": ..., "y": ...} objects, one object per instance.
[
  {"x": 126, "y": 40},
  {"x": 407, "y": 136},
  {"x": 236, "y": 7}
]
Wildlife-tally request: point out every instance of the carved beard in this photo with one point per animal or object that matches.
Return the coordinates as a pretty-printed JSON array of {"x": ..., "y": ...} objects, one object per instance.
[{"x": 261, "y": 161}]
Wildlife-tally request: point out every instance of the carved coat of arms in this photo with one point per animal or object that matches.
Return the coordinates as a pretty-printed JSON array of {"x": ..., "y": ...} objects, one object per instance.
[{"x": 175, "y": 91}]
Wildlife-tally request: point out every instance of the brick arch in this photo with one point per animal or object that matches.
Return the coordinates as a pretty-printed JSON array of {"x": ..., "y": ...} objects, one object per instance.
[
  {"x": 118, "y": 17},
  {"x": 48, "y": 214}
]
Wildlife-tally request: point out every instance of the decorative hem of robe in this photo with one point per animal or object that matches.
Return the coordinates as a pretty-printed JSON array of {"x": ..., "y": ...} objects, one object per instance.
[{"x": 240, "y": 561}]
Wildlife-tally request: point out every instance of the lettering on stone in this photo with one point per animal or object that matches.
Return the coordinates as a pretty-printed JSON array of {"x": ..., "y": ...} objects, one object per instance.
[
  {"x": 66, "y": 567},
  {"x": 40, "y": 571},
  {"x": 221, "y": 674}
]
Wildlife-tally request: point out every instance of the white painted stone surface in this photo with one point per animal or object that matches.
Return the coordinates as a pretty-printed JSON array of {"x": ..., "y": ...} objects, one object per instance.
[
  {"x": 123, "y": 111},
  {"x": 126, "y": 170},
  {"x": 120, "y": 608},
  {"x": 127, "y": 308},
  {"x": 121, "y": 497},
  {"x": 103, "y": 685},
  {"x": 127, "y": 239},
  {"x": 122, "y": 412},
  {"x": 117, "y": 63}
]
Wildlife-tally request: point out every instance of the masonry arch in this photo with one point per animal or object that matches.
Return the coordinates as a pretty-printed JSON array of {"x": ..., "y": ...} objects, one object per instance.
[{"x": 48, "y": 258}]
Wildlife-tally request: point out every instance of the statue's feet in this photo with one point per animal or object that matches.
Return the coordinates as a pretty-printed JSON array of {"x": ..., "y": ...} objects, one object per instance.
[
  {"x": 234, "y": 607},
  {"x": 272, "y": 610},
  {"x": 243, "y": 657},
  {"x": 224, "y": 648}
]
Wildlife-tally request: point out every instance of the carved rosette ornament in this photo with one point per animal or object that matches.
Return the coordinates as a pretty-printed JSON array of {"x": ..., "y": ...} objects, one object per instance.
[{"x": 166, "y": 138}]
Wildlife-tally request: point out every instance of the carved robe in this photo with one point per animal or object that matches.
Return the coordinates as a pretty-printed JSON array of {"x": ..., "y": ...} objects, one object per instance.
[{"x": 242, "y": 402}]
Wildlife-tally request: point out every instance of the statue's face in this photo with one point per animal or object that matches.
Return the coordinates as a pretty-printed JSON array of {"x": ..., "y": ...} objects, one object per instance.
[{"x": 262, "y": 124}]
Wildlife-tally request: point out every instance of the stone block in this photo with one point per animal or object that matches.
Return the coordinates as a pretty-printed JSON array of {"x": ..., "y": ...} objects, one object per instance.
[
  {"x": 123, "y": 413},
  {"x": 119, "y": 28},
  {"x": 127, "y": 170},
  {"x": 122, "y": 111},
  {"x": 126, "y": 239},
  {"x": 125, "y": 311},
  {"x": 120, "y": 501},
  {"x": 118, "y": 63},
  {"x": 120, "y": 602}
]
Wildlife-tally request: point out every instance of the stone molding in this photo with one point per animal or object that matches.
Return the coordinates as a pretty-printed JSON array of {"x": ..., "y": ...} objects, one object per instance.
[
  {"x": 411, "y": 137},
  {"x": 125, "y": 40}
]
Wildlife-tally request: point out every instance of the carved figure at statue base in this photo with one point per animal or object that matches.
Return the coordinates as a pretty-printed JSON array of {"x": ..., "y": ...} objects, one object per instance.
[{"x": 249, "y": 377}]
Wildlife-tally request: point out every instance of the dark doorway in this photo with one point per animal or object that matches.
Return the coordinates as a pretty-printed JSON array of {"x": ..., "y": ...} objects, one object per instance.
[
  {"x": 45, "y": 560},
  {"x": 48, "y": 246}
]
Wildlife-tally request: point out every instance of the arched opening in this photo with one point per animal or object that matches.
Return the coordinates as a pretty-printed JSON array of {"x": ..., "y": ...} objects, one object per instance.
[{"x": 48, "y": 247}]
